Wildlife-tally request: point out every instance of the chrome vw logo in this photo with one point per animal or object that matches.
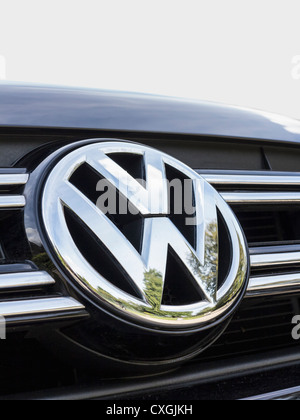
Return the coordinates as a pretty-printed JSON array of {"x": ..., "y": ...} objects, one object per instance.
[{"x": 79, "y": 229}]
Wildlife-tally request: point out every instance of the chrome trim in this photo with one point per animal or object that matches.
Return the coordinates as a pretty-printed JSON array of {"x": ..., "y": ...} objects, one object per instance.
[
  {"x": 12, "y": 201},
  {"x": 250, "y": 180},
  {"x": 43, "y": 306},
  {"x": 276, "y": 259},
  {"x": 13, "y": 179},
  {"x": 273, "y": 285},
  {"x": 261, "y": 198},
  {"x": 25, "y": 280}
]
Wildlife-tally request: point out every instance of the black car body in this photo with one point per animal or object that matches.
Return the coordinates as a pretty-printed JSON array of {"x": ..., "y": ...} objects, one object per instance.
[{"x": 257, "y": 354}]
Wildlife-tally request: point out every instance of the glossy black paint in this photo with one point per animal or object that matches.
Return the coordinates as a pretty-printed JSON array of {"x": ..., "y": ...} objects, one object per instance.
[
  {"x": 41, "y": 107},
  {"x": 58, "y": 107}
]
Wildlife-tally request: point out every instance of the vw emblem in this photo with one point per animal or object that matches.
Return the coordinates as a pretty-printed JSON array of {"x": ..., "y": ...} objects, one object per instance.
[{"x": 117, "y": 220}]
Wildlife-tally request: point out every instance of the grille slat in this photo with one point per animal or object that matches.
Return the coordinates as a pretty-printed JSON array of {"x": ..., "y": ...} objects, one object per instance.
[
  {"x": 275, "y": 259},
  {"x": 246, "y": 179},
  {"x": 273, "y": 284},
  {"x": 13, "y": 179},
  {"x": 28, "y": 280},
  {"x": 14, "y": 282},
  {"x": 12, "y": 201},
  {"x": 261, "y": 198},
  {"x": 34, "y": 310}
]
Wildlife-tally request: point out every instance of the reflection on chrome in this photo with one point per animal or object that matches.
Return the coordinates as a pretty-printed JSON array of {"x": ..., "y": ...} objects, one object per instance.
[{"x": 147, "y": 270}]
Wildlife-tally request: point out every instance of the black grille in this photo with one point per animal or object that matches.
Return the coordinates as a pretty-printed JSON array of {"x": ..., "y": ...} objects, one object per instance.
[
  {"x": 264, "y": 227},
  {"x": 259, "y": 326}
]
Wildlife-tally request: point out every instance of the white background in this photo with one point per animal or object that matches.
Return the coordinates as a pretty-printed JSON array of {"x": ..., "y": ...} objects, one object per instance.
[{"x": 232, "y": 51}]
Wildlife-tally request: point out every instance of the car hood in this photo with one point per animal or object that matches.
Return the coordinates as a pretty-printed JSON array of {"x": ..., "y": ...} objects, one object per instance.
[{"x": 77, "y": 108}]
